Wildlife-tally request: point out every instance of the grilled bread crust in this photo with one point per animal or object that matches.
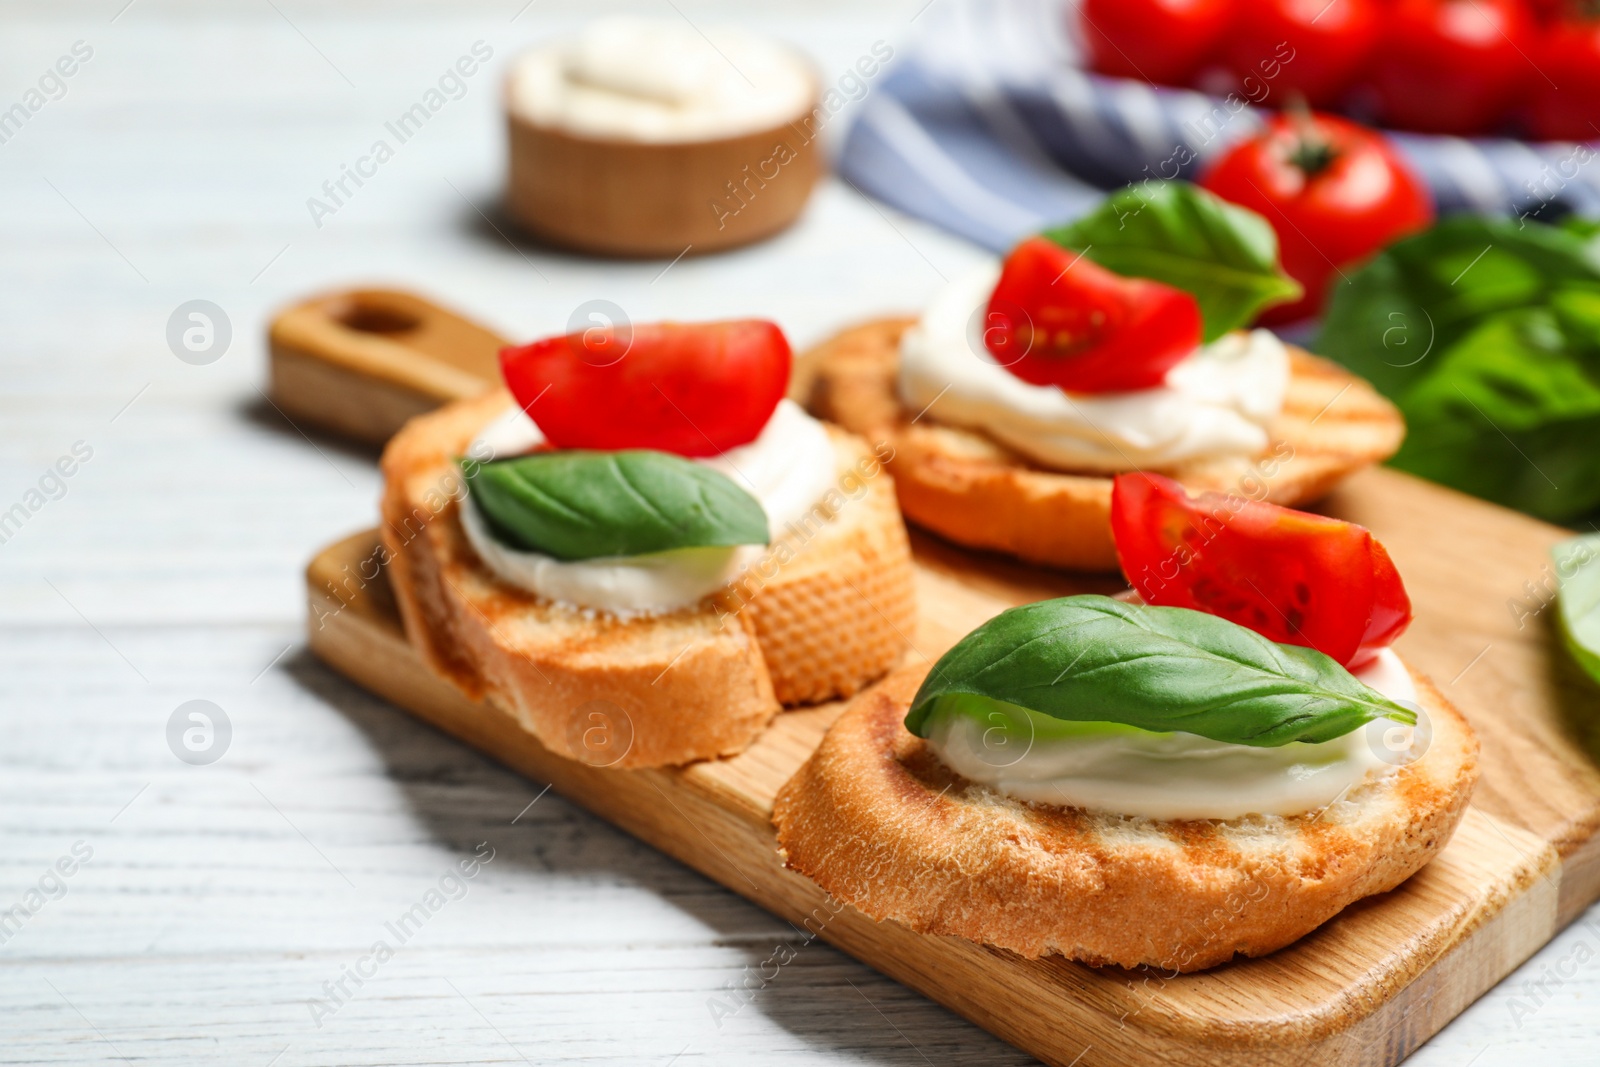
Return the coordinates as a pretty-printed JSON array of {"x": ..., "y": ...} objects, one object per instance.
[
  {"x": 822, "y": 615},
  {"x": 969, "y": 488},
  {"x": 877, "y": 820}
]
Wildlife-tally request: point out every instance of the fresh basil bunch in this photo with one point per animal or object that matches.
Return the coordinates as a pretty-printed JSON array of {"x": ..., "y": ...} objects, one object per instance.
[
  {"x": 1188, "y": 238},
  {"x": 1093, "y": 659},
  {"x": 575, "y": 504},
  {"x": 1486, "y": 333}
]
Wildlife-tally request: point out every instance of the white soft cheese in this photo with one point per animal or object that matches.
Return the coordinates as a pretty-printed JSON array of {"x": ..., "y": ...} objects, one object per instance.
[
  {"x": 788, "y": 469},
  {"x": 661, "y": 80},
  {"x": 1216, "y": 403},
  {"x": 1171, "y": 776}
]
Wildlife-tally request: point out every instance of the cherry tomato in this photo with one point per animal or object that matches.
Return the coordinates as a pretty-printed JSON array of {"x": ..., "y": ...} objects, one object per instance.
[
  {"x": 1453, "y": 66},
  {"x": 1566, "y": 90},
  {"x": 1297, "y": 578},
  {"x": 1058, "y": 318},
  {"x": 1161, "y": 41},
  {"x": 1335, "y": 192},
  {"x": 696, "y": 389},
  {"x": 1547, "y": 10},
  {"x": 1317, "y": 47}
]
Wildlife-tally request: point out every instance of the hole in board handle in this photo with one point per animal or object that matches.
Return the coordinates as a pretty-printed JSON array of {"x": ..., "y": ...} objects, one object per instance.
[{"x": 375, "y": 318}]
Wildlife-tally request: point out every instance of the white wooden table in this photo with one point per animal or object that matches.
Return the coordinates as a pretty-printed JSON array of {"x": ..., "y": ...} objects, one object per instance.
[{"x": 218, "y": 900}]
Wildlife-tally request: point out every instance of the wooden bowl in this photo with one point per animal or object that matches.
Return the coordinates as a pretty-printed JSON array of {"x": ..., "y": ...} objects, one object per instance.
[{"x": 637, "y": 198}]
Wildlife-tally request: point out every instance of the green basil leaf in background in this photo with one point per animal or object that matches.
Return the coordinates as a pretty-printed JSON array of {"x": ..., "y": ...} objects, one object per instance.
[
  {"x": 576, "y": 504},
  {"x": 1486, "y": 334},
  {"x": 1577, "y": 564},
  {"x": 1180, "y": 234},
  {"x": 1510, "y": 413},
  {"x": 1095, "y": 659},
  {"x": 1587, "y": 229},
  {"x": 1421, "y": 295}
]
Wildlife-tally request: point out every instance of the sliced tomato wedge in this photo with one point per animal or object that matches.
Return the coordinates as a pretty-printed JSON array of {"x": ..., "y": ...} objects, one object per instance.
[
  {"x": 1294, "y": 577},
  {"x": 696, "y": 389},
  {"x": 1057, "y": 318}
]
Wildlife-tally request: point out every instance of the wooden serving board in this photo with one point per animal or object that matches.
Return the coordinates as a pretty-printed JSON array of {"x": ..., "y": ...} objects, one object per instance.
[
  {"x": 360, "y": 362},
  {"x": 1367, "y": 988}
]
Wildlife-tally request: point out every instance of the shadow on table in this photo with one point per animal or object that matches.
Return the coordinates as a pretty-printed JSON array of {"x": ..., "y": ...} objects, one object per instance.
[
  {"x": 484, "y": 219},
  {"x": 1575, "y": 695},
  {"x": 822, "y": 997},
  {"x": 263, "y": 414}
]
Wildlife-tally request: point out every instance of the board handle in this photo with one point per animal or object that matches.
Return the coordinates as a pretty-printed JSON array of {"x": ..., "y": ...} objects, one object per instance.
[{"x": 361, "y": 362}]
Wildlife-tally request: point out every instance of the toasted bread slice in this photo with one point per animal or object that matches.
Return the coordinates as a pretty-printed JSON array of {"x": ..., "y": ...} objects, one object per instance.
[
  {"x": 977, "y": 492},
  {"x": 820, "y": 616},
  {"x": 877, "y": 820}
]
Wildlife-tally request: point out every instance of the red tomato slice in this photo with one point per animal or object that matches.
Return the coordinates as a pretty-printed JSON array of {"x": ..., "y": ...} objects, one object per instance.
[
  {"x": 696, "y": 389},
  {"x": 1161, "y": 41},
  {"x": 1294, "y": 577},
  {"x": 1057, "y": 318}
]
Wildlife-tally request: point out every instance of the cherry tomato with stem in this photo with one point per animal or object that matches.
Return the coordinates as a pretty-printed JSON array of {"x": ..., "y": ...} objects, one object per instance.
[{"x": 1334, "y": 191}]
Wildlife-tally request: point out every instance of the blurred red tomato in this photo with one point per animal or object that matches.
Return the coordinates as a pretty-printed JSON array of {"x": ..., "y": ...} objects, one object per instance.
[
  {"x": 1321, "y": 44},
  {"x": 1547, "y": 10},
  {"x": 1566, "y": 91},
  {"x": 1161, "y": 41},
  {"x": 1453, "y": 66},
  {"x": 1334, "y": 191}
]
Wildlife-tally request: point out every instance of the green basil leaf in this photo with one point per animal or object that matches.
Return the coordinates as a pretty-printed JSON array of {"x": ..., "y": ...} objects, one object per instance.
[
  {"x": 1180, "y": 234},
  {"x": 575, "y": 504},
  {"x": 1577, "y": 564},
  {"x": 1486, "y": 334},
  {"x": 1095, "y": 659},
  {"x": 1511, "y": 413},
  {"x": 1017, "y": 722},
  {"x": 1585, "y": 229},
  {"x": 1418, "y": 297}
]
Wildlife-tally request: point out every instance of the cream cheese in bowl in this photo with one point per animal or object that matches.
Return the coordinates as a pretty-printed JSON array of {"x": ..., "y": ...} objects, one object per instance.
[{"x": 661, "y": 81}]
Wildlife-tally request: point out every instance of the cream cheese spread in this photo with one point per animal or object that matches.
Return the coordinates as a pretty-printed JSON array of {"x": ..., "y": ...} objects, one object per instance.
[
  {"x": 788, "y": 469},
  {"x": 1216, "y": 403},
  {"x": 661, "y": 80},
  {"x": 1122, "y": 769}
]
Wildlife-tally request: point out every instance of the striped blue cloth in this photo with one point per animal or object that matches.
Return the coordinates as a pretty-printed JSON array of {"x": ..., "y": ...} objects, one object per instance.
[{"x": 990, "y": 128}]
